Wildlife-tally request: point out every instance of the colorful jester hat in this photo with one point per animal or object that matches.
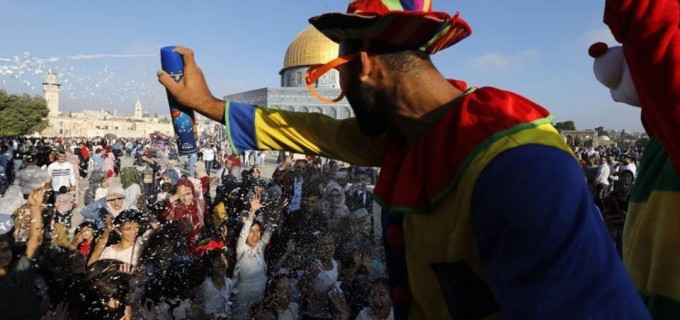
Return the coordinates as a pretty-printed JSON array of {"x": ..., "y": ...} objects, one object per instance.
[
  {"x": 611, "y": 70},
  {"x": 409, "y": 24}
]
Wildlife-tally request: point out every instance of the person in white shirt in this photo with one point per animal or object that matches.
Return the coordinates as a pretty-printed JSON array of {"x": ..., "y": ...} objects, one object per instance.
[
  {"x": 62, "y": 173},
  {"x": 246, "y": 158},
  {"x": 250, "y": 273},
  {"x": 259, "y": 158},
  {"x": 31, "y": 177},
  {"x": 602, "y": 179},
  {"x": 208, "y": 158},
  {"x": 628, "y": 164},
  {"x": 216, "y": 290}
]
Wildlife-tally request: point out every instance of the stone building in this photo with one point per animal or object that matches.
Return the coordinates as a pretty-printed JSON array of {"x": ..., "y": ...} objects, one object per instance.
[
  {"x": 91, "y": 123},
  {"x": 308, "y": 48}
]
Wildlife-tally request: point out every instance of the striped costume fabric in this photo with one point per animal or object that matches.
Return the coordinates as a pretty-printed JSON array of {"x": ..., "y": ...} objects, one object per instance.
[{"x": 406, "y": 24}]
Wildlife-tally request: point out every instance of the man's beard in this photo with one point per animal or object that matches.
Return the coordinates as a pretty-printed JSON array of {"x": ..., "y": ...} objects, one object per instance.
[{"x": 367, "y": 105}]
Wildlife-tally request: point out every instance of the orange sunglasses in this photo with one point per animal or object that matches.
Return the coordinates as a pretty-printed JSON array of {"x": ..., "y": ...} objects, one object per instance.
[{"x": 316, "y": 71}]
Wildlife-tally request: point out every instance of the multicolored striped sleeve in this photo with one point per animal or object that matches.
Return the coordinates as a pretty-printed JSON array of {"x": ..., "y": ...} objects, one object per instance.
[{"x": 253, "y": 128}]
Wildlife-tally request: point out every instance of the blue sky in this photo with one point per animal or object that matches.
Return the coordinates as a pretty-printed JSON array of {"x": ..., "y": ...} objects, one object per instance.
[{"x": 106, "y": 52}]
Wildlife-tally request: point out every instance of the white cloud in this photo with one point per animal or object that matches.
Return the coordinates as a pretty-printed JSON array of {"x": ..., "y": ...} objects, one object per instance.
[
  {"x": 491, "y": 60},
  {"x": 504, "y": 62},
  {"x": 597, "y": 35}
]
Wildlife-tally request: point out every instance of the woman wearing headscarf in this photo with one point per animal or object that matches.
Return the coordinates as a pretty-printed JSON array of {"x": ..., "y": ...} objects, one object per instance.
[
  {"x": 184, "y": 209},
  {"x": 109, "y": 161},
  {"x": 115, "y": 201},
  {"x": 168, "y": 180},
  {"x": 84, "y": 159},
  {"x": 111, "y": 205},
  {"x": 200, "y": 173},
  {"x": 335, "y": 196},
  {"x": 131, "y": 179}
]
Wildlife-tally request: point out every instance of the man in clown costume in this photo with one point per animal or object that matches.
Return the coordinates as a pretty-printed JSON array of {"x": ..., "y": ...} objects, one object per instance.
[
  {"x": 643, "y": 72},
  {"x": 470, "y": 227}
]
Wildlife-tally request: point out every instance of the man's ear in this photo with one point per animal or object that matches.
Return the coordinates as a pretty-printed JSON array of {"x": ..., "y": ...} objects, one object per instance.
[{"x": 367, "y": 66}]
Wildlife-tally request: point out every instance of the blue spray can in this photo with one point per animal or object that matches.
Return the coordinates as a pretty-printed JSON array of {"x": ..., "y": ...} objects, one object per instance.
[{"x": 183, "y": 118}]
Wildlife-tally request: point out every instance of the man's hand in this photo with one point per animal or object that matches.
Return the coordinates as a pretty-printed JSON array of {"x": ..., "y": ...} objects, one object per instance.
[{"x": 192, "y": 91}]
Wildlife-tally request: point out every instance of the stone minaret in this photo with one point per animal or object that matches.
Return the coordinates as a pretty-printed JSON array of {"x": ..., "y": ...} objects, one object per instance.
[
  {"x": 51, "y": 90},
  {"x": 138, "y": 110}
]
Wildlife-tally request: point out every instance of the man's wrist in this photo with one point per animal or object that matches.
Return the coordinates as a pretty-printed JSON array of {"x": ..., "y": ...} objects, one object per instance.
[{"x": 214, "y": 109}]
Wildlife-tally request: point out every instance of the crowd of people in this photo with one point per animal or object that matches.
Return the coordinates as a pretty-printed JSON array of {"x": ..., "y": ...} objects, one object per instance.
[
  {"x": 610, "y": 173},
  {"x": 157, "y": 241}
]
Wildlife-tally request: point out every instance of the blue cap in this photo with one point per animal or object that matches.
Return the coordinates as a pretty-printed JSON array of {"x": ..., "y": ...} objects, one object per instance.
[{"x": 171, "y": 61}]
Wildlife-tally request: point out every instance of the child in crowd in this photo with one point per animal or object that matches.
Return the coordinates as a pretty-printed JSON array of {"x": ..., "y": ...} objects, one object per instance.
[
  {"x": 64, "y": 204},
  {"x": 217, "y": 289}
]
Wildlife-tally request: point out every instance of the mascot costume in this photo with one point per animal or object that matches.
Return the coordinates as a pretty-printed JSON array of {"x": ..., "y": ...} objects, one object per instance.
[{"x": 644, "y": 72}]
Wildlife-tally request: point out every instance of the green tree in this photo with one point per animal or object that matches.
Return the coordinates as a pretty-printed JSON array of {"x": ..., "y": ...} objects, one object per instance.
[
  {"x": 565, "y": 126},
  {"x": 22, "y": 114},
  {"x": 642, "y": 142}
]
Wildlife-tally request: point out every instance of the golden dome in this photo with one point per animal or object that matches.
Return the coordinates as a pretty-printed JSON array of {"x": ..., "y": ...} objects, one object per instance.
[{"x": 310, "y": 47}]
